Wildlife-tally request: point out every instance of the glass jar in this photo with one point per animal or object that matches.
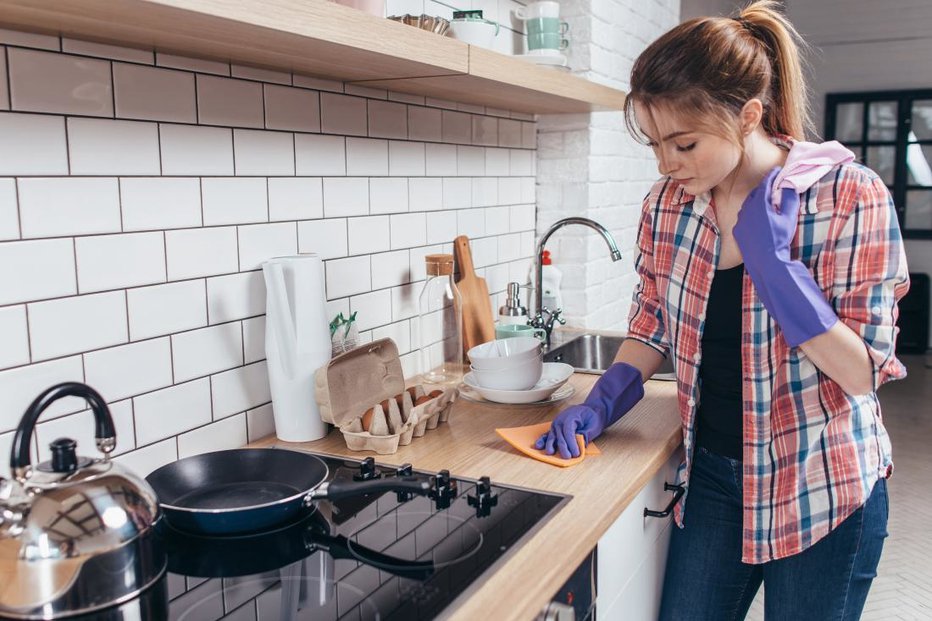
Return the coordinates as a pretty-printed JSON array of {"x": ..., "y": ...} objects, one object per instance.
[{"x": 440, "y": 321}]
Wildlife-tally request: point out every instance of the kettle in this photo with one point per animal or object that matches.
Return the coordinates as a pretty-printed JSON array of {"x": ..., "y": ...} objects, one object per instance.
[{"x": 76, "y": 534}]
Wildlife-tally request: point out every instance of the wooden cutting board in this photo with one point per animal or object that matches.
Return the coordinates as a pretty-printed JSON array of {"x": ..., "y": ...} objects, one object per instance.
[{"x": 478, "y": 323}]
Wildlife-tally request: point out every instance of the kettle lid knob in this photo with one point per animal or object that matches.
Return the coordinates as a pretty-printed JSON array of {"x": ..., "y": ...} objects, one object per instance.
[{"x": 64, "y": 455}]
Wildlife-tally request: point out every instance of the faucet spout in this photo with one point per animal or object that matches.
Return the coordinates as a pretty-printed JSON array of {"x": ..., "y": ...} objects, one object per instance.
[{"x": 539, "y": 269}]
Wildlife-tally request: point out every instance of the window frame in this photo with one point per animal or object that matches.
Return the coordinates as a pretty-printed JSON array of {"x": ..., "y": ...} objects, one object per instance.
[{"x": 904, "y": 100}]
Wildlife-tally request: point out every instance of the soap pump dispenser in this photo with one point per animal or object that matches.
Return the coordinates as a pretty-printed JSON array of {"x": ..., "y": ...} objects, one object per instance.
[{"x": 512, "y": 312}]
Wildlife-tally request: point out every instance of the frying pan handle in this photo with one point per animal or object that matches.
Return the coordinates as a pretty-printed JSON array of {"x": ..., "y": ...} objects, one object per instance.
[
  {"x": 334, "y": 490},
  {"x": 338, "y": 546},
  {"x": 104, "y": 430}
]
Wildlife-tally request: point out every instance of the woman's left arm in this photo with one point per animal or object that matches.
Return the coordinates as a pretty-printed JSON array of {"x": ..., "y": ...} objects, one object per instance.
[
  {"x": 840, "y": 354},
  {"x": 871, "y": 275}
]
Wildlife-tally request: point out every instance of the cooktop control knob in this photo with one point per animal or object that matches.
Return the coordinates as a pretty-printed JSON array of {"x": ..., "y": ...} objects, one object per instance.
[
  {"x": 445, "y": 490},
  {"x": 484, "y": 500},
  {"x": 367, "y": 471},
  {"x": 405, "y": 470}
]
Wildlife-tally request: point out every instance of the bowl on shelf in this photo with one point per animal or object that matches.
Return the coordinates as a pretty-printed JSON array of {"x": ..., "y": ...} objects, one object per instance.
[
  {"x": 475, "y": 31},
  {"x": 431, "y": 23}
]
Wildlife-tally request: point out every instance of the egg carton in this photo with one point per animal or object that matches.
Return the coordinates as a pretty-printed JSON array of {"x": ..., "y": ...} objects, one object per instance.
[{"x": 362, "y": 392}]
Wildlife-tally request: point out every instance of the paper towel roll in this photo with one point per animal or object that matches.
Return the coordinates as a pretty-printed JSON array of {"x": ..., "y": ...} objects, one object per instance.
[{"x": 297, "y": 343}]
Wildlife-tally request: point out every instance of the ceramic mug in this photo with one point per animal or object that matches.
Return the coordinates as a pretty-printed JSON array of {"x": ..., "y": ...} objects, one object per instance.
[
  {"x": 545, "y": 8},
  {"x": 517, "y": 329},
  {"x": 546, "y": 33}
]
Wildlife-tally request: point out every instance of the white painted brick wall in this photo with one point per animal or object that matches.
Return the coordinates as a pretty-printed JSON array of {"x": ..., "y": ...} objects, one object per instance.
[
  {"x": 136, "y": 210},
  {"x": 588, "y": 165}
]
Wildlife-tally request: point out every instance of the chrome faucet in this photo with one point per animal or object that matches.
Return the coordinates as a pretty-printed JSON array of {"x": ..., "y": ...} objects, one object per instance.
[
  {"x": 553, "y": 316},
  {"x": 539, "y": 270}
]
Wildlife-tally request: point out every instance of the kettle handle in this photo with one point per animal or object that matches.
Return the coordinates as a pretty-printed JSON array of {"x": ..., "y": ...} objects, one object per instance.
[{"x": 104, "y": 430}]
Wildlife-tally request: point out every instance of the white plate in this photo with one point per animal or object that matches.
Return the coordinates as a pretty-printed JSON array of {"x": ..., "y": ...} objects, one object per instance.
[
  {"x": 563, "y": 392},
  {"x": 555, "y": 374},
  {"x": 553, "y": 60}
]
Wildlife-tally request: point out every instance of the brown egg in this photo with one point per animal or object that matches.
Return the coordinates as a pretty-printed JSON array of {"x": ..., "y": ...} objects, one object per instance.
[
  {"x": 421, "y": 400},
  {"x": 367, "y": 418},
  {"x": 413, "y": 392},
  {"x": 400, "y": 400},
  {"x": 384, "y": 405},
  {"x": 435, "y": 393}
]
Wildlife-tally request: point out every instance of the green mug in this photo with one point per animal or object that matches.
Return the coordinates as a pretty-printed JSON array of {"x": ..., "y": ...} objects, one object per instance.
[
  {"x": 546, "y": 33},
  {"x": 512, "y": 330}
]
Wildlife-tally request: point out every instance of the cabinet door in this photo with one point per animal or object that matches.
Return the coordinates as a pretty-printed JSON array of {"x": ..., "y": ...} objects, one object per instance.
[{"x": 633, "y": 553}]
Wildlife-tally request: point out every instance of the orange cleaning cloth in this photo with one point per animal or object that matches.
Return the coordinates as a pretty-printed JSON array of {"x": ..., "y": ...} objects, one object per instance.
[{"x": 523, "y": 439}]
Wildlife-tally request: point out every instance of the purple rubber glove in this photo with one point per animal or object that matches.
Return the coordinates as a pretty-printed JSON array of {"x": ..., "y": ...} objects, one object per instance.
[
  {"x": 616, "y": 392},
  {"x": 785, "y": 287}
]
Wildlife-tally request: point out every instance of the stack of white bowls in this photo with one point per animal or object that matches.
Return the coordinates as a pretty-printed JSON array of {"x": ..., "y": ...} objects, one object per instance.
[{"x": 507, "y": 364}]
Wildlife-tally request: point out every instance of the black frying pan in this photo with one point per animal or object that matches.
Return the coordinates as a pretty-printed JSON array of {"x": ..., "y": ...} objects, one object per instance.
[{"x": 251, "y": 490}]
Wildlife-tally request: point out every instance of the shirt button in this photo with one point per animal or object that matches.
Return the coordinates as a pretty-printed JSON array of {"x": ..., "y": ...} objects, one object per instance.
[
  {"x": 701, "y": 316},
  {"x": 691, "y": 403},
  {"x": 876, "y": 310},
  {"x": 697, "y": 356},
  {"x": 711, "y": 274}
]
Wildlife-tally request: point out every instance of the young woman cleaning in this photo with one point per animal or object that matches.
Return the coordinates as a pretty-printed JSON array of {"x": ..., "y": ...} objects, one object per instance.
[{"x": 770, "y": 270}]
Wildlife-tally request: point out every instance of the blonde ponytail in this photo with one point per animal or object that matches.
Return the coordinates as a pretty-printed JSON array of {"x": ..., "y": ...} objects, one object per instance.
[
  {"x": 709, "y": 67},
  {"x": 789, "y": 112}
]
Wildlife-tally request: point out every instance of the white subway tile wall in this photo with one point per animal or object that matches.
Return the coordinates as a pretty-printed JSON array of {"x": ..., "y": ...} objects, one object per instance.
[
  {"x": 140, "y": 194},
  {"x": 154, "y": 94}
]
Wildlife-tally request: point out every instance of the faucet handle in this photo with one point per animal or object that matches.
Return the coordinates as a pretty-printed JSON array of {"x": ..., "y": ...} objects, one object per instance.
[{"x": 557, "y": 316}]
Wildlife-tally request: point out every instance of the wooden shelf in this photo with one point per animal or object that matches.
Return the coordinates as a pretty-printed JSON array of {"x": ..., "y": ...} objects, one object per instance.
[
  {"x": 319, "y": 38},
  {"x": 512, "y": 84}
]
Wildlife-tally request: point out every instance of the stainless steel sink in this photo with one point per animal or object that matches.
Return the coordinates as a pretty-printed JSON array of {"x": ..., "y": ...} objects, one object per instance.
[{"x": 594, "y": 353}]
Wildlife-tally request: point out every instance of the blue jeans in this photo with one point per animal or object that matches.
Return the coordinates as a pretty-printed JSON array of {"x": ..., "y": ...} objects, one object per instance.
[{"x": 706, "y": 580}]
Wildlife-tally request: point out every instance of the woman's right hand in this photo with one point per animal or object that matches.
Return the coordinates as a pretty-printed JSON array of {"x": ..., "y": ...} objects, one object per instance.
[
  {"x": 577, "y": 419},
  {"x": 616, "y": 392}
]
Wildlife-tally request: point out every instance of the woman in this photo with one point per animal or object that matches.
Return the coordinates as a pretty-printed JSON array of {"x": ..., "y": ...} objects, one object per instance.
[{"x": 770, "y": 269}]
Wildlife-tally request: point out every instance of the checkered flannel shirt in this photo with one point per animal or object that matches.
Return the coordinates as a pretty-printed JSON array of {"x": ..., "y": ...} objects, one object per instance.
[{"x": 812, "y": 453}]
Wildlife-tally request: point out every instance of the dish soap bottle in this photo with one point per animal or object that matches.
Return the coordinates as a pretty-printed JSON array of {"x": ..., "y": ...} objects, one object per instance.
[
  {"x": 550, "y": 284},
  {"x": 440, "y": 323}
]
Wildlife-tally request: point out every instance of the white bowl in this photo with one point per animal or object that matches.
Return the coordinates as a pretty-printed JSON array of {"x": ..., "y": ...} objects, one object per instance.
[
  {"x": 475, "y": 32},
  {"x": 504, "y": 365},
  {"x": 519, "y": 375},
  {"x": 554, "y": 375},
  {"x": 502, "y": 354}
]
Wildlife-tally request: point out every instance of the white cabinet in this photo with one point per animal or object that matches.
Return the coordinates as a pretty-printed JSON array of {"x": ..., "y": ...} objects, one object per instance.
[{"x": 632, "y": 554}]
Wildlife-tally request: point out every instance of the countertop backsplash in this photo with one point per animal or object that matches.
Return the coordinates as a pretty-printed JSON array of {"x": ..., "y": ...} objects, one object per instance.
[{"x": 140, "y": 191}]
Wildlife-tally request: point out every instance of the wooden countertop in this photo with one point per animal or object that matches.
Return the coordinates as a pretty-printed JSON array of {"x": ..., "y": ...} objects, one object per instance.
[{"x": 632, "y": 452}]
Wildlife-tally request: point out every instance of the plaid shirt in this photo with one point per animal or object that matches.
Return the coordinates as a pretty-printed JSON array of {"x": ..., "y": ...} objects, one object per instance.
[{"x": 812, "y": 453}]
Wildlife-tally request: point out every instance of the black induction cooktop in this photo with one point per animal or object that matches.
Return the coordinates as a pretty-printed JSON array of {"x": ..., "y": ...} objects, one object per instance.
[{"x": 375, "y": 557}]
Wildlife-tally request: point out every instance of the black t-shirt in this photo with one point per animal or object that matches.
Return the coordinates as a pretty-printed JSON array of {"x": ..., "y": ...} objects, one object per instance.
[{"x": 720, "y": 418}]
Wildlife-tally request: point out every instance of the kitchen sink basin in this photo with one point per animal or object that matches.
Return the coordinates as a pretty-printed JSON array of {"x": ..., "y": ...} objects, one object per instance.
[{"x": 594, "y": 353}]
